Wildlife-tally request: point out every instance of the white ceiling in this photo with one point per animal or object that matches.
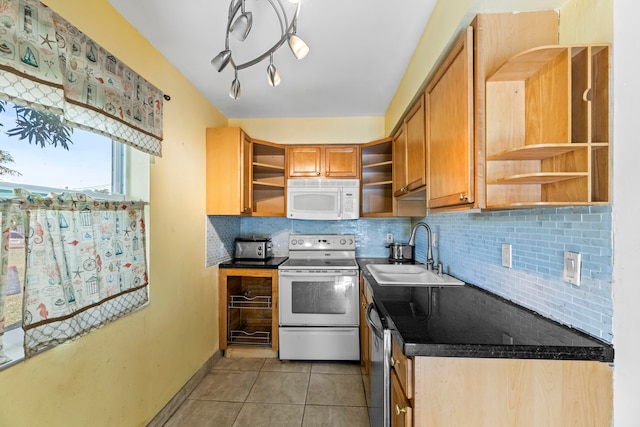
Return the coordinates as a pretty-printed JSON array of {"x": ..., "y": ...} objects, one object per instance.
[{"x": 359, "y": 51}]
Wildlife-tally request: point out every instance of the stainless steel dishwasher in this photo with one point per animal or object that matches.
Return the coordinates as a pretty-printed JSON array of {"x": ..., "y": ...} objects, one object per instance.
[{"x": 380, "y": 378}]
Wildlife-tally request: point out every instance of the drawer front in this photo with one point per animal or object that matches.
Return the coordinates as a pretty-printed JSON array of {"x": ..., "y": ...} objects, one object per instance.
[
  {"x": 401, "y": 410},
  {"x": 403, "y": 367}
]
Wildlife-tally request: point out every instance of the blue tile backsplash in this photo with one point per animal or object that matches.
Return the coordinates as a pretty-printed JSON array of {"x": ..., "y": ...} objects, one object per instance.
[{"x": 469, "y": 244}]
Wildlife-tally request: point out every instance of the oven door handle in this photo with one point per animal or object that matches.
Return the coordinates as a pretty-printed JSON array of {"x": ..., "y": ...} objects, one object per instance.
[
  {"x": 375, "y": 329},
  {"x": 299, "y": 273}
]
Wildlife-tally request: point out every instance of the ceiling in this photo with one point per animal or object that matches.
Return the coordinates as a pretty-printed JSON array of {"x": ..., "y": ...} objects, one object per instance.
[{"x": 359, "y": 51}]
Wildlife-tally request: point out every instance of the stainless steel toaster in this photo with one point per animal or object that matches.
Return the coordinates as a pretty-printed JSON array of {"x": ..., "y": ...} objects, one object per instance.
[{"x": 253, "y": 248}]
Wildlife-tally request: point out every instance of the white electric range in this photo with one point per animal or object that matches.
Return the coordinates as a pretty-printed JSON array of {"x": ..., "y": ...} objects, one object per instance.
[{"x": 318, "y": 299}]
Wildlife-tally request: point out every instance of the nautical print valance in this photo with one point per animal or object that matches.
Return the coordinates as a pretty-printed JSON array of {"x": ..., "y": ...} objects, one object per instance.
[{"x": 47, "y": 63}]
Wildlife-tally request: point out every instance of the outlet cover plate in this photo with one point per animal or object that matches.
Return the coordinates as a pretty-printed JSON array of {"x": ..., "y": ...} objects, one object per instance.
[
  {"x": 572, "y": 265},
  {"x": 506, "y": 255}
]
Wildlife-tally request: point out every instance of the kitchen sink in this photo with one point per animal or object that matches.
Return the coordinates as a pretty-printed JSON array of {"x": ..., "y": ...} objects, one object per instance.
[{"x": 410, "y": 275}]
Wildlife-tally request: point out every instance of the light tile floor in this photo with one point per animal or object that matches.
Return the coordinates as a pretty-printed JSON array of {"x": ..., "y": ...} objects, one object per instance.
[{"x": 267, "y": 392}]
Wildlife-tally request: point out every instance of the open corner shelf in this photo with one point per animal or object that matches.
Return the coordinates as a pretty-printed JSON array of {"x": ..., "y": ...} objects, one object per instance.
[{"x": 547, "y": 127}]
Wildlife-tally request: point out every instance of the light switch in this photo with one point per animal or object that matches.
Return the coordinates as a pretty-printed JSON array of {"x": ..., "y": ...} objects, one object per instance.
[{"x": 572, "y": 265}]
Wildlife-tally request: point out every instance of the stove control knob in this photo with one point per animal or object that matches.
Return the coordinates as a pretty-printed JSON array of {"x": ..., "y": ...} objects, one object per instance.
[
  {"x": 351, "y": 241},
  {"x": 300, "y": 241},
  {"x": 343, "y": 241},
  {"x": 293, "y": 242}
]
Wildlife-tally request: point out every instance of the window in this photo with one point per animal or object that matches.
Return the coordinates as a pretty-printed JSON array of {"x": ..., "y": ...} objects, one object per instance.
[
  {"x": 77, "y": 161},
  {"x": 83, "y": 162}
]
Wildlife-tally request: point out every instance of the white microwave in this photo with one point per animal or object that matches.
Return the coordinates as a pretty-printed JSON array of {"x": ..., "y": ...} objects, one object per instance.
[{"x": 327, "y": 199}]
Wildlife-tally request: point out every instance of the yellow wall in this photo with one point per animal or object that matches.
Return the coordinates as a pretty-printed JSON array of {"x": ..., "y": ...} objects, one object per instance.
[
  {"x": 586, "y": 21},
  {"x": 123, "y": 374},
  {"x": 446, "y": 21},
  {"x": 327, "y": 130}
]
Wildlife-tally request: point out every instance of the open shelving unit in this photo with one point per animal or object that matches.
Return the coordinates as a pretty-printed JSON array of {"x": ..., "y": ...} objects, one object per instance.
[
  {"x": 249, "y": 311},
  {"x": 377, "y": 178},
  {"x": 268, "y": 179},
  {"x": 547, "y": 128}
]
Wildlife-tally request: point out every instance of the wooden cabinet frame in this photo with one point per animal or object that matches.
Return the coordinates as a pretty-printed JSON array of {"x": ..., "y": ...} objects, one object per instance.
[
  {"x": 323, "y": 161},
  {"x": 450, "y": 144},
  {"x": 258, "y": 278}
]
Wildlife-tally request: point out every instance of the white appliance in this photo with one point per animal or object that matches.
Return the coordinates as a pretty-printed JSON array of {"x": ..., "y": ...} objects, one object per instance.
[
  {"x": 324, "y": 199},
  {"x": 318, "y": 299}
]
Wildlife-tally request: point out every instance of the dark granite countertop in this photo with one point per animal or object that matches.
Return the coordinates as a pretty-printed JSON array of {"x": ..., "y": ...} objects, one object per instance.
[
  {"x": 271, "y": 263},
  {"x": 466, "y": 321}
]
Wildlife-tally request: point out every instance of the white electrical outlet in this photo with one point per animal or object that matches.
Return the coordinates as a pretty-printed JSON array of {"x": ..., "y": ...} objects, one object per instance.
[
  {"x": 434, "y": 240},
  {"x": 389, "y": 237},
  {"x": 506, "y": 255},
  {"x": 571, "y": 271}
]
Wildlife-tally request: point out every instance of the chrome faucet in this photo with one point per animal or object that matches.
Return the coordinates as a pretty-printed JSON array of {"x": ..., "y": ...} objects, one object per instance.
[{"x": 412, "y": 242}]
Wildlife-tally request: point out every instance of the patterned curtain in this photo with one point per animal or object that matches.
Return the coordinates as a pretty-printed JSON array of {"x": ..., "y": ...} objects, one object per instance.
[
  {"x": 85, "y": 266},
  {"x": 47, "y": 63},
  {"x": 4, "y": 263}
]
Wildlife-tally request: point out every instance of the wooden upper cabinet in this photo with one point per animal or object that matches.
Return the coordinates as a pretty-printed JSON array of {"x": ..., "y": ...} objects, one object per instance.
[
  {"x": 547, "y": 128},
  {"x": 450, "y": 144},
  {"x": 228, "y": 172},
  {"x": 304, "y": 161},
  {"x": 342, "y": 161},
  {"x": 416, "y": 156},
  {"x": 497, "y": 38},
  {"x": 400, "y": 162},
  {"x": 409, "y": 156},
  {"x": 244, "y": 176},
  {"x": 324, "y": 161}
]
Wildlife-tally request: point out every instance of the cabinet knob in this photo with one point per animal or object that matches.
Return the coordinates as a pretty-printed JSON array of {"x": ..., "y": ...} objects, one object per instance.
[
  {"x": 462, "y": 196},
  {"x": 400, "y": 410},
  {"x": 327, "y": 173},
  {"x": 318, "y": 173},
  {"x": 394, "y": 361},
  {"x": 403, "y": 189}
]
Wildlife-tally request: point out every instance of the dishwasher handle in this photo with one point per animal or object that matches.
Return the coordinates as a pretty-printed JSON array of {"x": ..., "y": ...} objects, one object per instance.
[{"x": 378, "y": 331}]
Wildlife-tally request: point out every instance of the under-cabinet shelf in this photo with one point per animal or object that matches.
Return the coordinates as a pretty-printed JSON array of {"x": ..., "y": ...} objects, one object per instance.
[
  {"x": 378, "y": 167},
  {"x": 539, "y": 178},
  {"x": 264, "y": 167},
  {"x": 380, "y": 184},
  {"x": 277, "y": 182},
  {"x": 537, "y": 151},
  {"x": 260, "y": 302},
  {"x": 250, "y": 336}
]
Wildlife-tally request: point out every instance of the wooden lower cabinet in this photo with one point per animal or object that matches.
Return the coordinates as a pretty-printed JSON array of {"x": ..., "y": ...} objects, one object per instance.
[
  {"x": 248, "y": 312},
  {"x": 401, "y": 410},
  {"x": 365, "y": 359},
  {"x": 452, "y": 391}
]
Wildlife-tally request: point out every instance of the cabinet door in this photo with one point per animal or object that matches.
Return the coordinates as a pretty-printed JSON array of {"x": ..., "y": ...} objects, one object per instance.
[
  {"x": 415, "y": 140},
  {"x": 449, "y": 99},
  {"x": 400, "y": 162},
  {"x": 227, "y": 183},
  {"x": 304, "y": 161},
  {"x": 401, "y": 410},
  {"x": 341, "y": 162},
  {"x": 247, "y": 174}
]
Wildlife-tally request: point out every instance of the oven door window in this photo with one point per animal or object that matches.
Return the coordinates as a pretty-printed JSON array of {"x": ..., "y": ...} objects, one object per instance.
[
  {"x": 317, "y": 300},
  {"x": 318, "y": 297}
]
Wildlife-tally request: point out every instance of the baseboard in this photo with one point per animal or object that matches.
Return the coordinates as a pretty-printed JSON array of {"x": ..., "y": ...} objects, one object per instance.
[{"x": 170, "y": 408}]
